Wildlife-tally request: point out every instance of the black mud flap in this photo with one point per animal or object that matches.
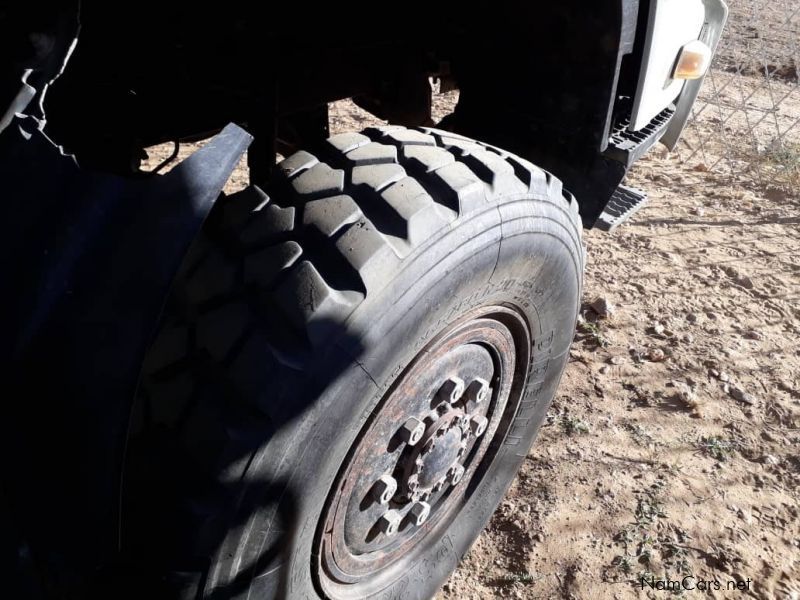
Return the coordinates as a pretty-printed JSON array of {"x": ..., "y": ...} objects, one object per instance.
[{"x": 86, "y": 260}]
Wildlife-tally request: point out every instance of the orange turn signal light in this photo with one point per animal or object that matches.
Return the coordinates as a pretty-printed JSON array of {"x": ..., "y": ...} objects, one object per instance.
[{"x": 693, "y": 61}]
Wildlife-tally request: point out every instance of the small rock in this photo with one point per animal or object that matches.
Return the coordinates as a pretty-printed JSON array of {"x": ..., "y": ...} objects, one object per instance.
[
  {"x": 769, "y": 459},
  {"x": 691, "y": 317},
  {"x": 723, "y": 376},
  {"x": 657, "y": 328},
  {"x": 603, "y": 307},
  {"x": 700, "y": 168},
  {"x": 744, "y": 516},
  {"x": 767, "y": 436},
  {"x": 712, "y": 316},
  {"x": 605, "y": 369},
  {"x": 687, "y": 338},
  {"x": 697, "y": 210},
  {"x": 656, "y": 355},
  {"x": 713, "y": 373},
  {"x": 753, "y": 335},
  {"x": 617, "y": 360},
  {"x": 686, "y": 393},
  {"x": 731, "y": 271},
  {"x": 739, "y": 394},
  {"x": 745, "y": 282}
]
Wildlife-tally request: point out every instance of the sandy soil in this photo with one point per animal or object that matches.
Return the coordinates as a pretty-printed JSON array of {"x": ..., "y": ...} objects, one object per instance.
[{"x": 762, "y": 37}]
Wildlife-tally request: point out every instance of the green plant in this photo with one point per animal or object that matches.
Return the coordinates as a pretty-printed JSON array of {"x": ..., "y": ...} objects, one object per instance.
[
  {"x": 783, "y": 158},
  {"x": 574, "y": 425},
  {"x": 593, "y": 333},
  {"x": 623, "y": 563},
  {"x": 715, "y": 447}
]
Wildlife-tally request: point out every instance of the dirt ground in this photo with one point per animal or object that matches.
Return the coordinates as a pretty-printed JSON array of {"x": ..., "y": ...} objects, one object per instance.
[{"x": 761, "y": 37}]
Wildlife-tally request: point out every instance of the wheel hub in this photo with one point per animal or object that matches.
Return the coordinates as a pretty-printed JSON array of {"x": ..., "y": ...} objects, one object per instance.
[
  {"x": 429, "y": 462},
  {"x": 426, "y": 447}
]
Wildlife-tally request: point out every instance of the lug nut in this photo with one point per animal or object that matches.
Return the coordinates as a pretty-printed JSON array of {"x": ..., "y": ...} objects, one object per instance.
[
  {"x": 478, "y": 390},
  {"x": 412, "y": 431},
  {"x": 452, "y": 389},
  {"x": 420, "y": 496},
  {"x": 455, "y": 474},
  {"x": 419, "y": 512},
  {"x": 384, "y": 489},
  {"x": 437, "y": 487},
  {"x": 389, "y": 523},
  {"x": 478, "y": 425}
]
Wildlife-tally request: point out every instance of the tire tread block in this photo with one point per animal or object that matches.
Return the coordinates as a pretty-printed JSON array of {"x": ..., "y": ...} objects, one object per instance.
[
  {"x": 372, "y": 154},
  {"x": 296, "y": 163},
  {"x": 329, "y": 215}
]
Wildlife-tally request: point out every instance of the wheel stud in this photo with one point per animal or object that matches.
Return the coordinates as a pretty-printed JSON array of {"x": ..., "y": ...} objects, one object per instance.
[
  {"x": 389, "y": 523},
  {"x": 452, "y": 389},
  {"x": 478, "y": 390},
  {"x": 419, "y": 512},
  {"x": 384, "y": 489},
  {"x": 478, "y": 425},
  {"x": 455, "y": 474},
  {"x": 412, "y": 431}
]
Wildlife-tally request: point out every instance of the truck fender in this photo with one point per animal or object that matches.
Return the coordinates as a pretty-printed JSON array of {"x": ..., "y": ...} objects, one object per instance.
[{"x": 87, "y": 261}]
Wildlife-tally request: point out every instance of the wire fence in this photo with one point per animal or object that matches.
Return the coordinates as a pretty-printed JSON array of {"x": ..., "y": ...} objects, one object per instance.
[{"x": 746, "y": 122}]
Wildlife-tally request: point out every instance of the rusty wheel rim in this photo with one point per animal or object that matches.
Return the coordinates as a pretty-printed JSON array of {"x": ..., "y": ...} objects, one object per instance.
[{"x": 425, "y": 449}]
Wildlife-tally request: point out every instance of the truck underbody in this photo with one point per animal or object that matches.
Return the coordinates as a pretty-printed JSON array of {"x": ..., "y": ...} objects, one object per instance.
[{"x": 534, "y": 78}]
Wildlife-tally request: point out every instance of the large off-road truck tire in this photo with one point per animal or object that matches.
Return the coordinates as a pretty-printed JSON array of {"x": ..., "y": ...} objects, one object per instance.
[{"x": 352, "y": 365}]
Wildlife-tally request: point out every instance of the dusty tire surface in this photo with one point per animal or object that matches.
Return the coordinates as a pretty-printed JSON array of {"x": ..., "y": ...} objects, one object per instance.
[{"x": 294, "y": 316}]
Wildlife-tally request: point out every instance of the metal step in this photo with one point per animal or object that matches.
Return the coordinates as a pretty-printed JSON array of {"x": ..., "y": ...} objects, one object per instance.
[
  {"x": 627, "y": 146},
  {"x": 624, "y": 202}
]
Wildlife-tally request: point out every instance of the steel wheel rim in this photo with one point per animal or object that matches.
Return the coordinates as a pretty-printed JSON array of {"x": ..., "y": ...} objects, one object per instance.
[{"x": 427, "y": 446}]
